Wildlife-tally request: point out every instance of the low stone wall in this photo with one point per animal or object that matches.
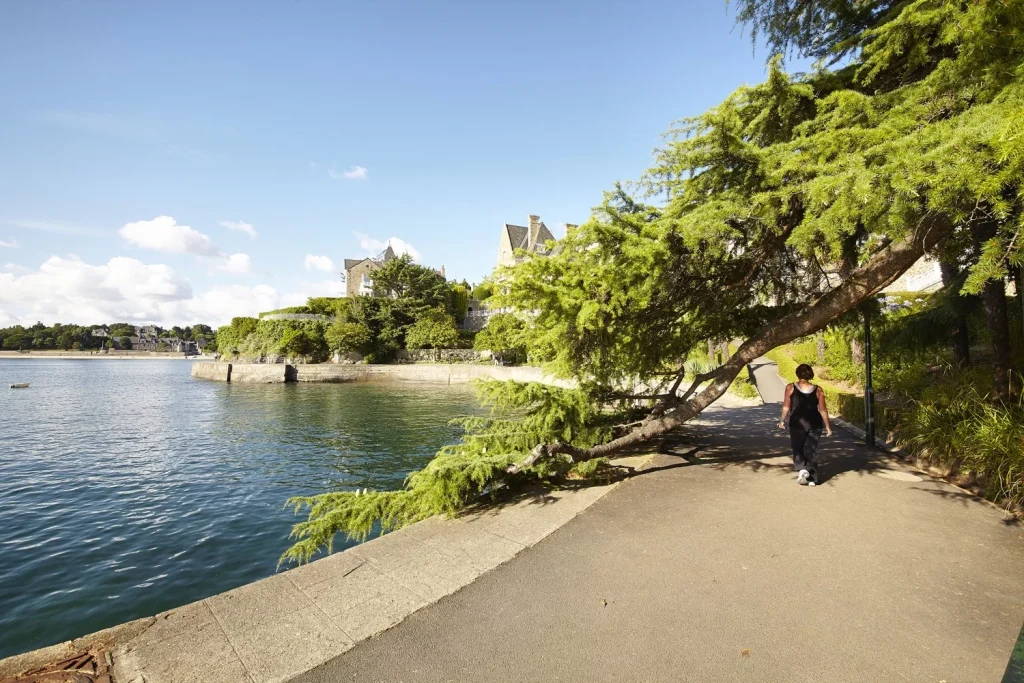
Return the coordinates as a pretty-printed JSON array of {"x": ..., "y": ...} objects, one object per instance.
[
  {"x": 219, "y": 372},
  {"x": 443, "y": 356},
  {"x": 431, "y": 373},
  {"x": 245, "y": 373}
]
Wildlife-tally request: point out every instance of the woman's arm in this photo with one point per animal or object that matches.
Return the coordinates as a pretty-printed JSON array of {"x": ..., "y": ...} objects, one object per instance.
[
  {"x": 823, "y": 409},
  {"x": 786, "y": 402}
]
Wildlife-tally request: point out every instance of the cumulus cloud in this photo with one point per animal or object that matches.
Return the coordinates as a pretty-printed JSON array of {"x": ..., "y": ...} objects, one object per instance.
[
  {"x": 9, "y": 244},
  {"x": 69, "y": 290},
  {"x": 372, "y": 246},
  {"x": 164, "y": 234},
  {"x": 237, "y": 264},
  {"x": 240, "y": 226},
  {"x": 323, "y": 263},
  {"x": 354, "y": 173}
]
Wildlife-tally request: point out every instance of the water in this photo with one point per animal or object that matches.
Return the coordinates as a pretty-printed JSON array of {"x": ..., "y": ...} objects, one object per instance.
[{"x": 128, "y": 488}]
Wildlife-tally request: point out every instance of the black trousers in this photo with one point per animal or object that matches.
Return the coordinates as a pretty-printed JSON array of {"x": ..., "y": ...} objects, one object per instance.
[{"x": 805, "y": 448}]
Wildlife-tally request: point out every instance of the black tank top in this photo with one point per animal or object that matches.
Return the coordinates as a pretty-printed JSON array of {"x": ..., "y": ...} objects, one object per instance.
[{"x": 804, "y": 409}]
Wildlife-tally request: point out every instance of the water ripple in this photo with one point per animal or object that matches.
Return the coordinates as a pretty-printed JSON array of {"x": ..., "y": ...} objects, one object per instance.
[{"x": 128, "y": 488}]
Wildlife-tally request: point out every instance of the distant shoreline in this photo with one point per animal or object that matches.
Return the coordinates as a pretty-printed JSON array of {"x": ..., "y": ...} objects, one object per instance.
[{"x": 84, "y": 355}]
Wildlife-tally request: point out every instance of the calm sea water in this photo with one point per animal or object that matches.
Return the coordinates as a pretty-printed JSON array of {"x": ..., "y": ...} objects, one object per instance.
[{"x": 128, "y": 488}]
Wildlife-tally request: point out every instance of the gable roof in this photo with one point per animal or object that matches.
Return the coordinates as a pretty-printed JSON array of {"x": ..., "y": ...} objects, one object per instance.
[
  {"x": 540, "y": 236},
  {"x": 350, "y": 263},
  {"x": 517, "y": 235}
]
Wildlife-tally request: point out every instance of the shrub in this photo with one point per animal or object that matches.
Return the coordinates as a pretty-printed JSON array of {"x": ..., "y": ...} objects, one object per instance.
[
  {"x": 956, "y": 426},
  {"x": 435, "y": 330},
  {"x": 503, "y": 332},
  {"x": 347, "y": 337}
]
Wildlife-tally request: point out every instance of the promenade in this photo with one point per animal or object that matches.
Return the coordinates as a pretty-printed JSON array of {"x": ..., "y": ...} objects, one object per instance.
[
  {"x": 714, "y": 565},
  {"x": 707, "y": 563}
]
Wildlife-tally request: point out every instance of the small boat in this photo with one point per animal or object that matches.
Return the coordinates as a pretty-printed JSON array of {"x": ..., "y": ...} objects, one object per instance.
[{"x": 20, "y": 385}]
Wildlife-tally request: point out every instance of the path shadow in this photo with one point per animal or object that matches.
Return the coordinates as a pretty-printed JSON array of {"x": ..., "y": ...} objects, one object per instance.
[{"x": 748, "y": 437}]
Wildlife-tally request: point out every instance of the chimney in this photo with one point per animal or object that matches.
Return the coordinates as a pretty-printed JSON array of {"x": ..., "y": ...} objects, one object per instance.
[{"x": 533, "y": 223}]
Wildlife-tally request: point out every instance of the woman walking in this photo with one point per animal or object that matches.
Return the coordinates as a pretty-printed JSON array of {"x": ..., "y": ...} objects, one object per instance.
[{"x": 805, "y": 405}]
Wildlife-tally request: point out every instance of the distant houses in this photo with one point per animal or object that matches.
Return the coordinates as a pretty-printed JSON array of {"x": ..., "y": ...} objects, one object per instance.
[{"x": 148, "y": 338}]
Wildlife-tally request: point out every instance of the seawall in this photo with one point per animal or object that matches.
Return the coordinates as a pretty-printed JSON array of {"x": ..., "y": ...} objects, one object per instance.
[{"x": 431, "y": 373}]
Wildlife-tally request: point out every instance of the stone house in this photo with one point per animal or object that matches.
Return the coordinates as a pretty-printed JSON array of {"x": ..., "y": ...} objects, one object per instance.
[
  {"x": 357, "y": 273},
  {"x": 532, "y": 237},
  {"x": 99, "y": 332},
  {"x": 358, "y": 276},
  {"x": 924, "y": 276}
]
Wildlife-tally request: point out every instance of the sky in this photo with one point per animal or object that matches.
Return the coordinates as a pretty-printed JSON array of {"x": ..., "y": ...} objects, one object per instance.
[{"x": 184, "y": 162}]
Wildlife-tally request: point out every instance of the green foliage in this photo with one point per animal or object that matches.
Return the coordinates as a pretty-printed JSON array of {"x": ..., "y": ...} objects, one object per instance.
[
  {"x": 347, "y": 337},
  {"x": 523, "y": 414},
  {"x": 956, "y": 425},
  {"x": 434, "y": 330},
  {"x": 125, "y": 343},
  {"x": 118, "y": 330},
  {"x": 483, "y": 291},
  {"x": 402, "y": 279},
  {"x": 460, "y": 302},
  {"x": 230, "y": 338},
  {"x": 285, "y": 310},
  {"x": 745, "y": 211},
  {"x": 503, "y": 332}
]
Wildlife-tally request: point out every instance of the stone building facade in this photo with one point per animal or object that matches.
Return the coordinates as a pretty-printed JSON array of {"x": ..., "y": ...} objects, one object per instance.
[{"x": 532, "y": 237}]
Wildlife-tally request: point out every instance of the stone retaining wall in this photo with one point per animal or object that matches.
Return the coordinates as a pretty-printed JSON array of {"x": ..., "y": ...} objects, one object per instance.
[
  {"x": 220, "y": 372},
  {"x": 432, "y": 373}
]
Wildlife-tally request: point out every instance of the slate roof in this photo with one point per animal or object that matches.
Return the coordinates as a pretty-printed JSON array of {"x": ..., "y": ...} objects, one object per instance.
[
  {"x": 352, "y": 262},
  {"x": 517, "y": 235},
  {"x": 521, "y": 238}
]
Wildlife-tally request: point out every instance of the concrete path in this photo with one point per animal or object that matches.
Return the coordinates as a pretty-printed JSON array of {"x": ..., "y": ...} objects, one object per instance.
[
  {"x": 714, "y": 565},
  {"x": 289, "y": 623},
  {"x": 766, "y": 378}
]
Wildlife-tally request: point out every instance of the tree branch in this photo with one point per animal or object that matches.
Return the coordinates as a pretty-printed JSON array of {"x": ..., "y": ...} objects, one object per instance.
[{"x": 881, "y": 269}]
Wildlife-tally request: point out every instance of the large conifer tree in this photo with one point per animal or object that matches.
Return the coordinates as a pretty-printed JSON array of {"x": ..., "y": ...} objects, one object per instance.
[{"x": 765, "y": 218}]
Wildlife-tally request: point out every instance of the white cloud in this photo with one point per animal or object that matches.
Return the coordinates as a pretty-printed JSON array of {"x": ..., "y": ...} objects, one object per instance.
[
  {"x": 354, "y": 173},
  {"x": 237, "y": 264},
  {"x": 323, "y": 263},
  {"x": 10, "y": 245},
  {"x": 374, "y": 246},
  {"x": 164, "y": 234},
  {"x": 240, "y": 226},
  {"x": 69, "y": 290}
]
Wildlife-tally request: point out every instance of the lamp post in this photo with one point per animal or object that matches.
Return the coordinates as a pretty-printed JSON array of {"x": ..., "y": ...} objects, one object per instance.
[{"x": 869, "y": 391}]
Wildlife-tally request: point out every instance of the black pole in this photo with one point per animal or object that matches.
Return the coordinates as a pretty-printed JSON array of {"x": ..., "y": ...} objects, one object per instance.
[{"x": 869, "y": 391}]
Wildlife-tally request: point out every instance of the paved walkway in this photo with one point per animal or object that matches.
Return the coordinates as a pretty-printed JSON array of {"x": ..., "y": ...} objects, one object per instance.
[{"x": 714, "y": 565}]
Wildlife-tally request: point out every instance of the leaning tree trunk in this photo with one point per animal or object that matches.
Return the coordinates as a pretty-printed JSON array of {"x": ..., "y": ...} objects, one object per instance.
[
  {"x": 994, "y": 298},
  {"x": 881, "y": 270},
  {"x": 958, "y": 331}
]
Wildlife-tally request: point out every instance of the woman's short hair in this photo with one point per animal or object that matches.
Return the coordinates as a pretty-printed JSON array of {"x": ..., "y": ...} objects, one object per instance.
[{"x": 805, "y": 372}]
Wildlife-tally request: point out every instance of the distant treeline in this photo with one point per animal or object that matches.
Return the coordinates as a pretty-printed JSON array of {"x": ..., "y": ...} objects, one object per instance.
[{"x": 81, "y": 337}]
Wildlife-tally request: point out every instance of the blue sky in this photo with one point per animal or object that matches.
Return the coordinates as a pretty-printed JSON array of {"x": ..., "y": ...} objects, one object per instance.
[{"x": 180, "y": 162}]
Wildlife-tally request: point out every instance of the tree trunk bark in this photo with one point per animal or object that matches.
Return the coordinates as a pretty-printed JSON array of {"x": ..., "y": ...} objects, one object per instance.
[
  {"x": 994, "y": 298},
  {"x": 857, "y": 350},
  {"x": 880, "y": 270},
  {"x": 958, "y": 331}
]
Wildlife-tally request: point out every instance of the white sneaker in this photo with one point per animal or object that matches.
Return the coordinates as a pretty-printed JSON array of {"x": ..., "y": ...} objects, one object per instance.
[
  {"x": 803, "y": 477},
  {"x": 811, "y": 483}
]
